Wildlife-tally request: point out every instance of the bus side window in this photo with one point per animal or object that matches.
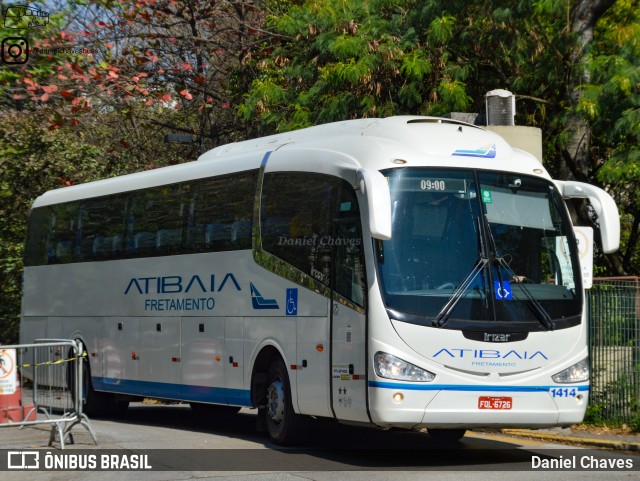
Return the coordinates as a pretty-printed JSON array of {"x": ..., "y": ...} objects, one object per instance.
[
  {"x": 209, "y": 231},
  {"x": 168, "y": 239},
  {"x": 156, "y": 221},
  {"x": 141, "y": 228},
  {"x": 241, "y": 233},
  {"x": 101, "y": 227},
  {"x": 296, "y": 220},
  {"x": 221, "y": 213},
  {"x": 238, "y": 204},
  {"x": 144, "y": 242},
  {"x": 62, "y": 238},
  {"x": 350, "y": 279},
  {"x": 170, "y": 213},
  {"x": 38, "y": 249}
]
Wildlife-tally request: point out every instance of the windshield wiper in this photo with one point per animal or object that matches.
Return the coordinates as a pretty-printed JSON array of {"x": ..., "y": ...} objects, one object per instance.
[
  {"x": 543, "y": 316},
  {"x": 443, "y": 315},
  {"x": 483, "y": 260},
  {"x": 493, "y": 259}
]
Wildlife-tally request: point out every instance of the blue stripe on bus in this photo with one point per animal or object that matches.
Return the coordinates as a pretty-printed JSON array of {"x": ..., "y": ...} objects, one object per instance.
[
  {"x": 220, "y": 395},
  {"x": 469, "y": 388}
]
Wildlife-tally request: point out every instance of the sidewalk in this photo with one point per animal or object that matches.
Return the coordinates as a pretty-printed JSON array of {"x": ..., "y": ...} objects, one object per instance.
[{"x": 595, "y": 437}]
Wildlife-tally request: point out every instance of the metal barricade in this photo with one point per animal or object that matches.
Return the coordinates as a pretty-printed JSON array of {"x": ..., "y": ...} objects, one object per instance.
[{"x": 41, "y": 383}]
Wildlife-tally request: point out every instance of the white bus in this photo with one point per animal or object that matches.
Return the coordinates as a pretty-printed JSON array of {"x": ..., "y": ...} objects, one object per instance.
[{"x": 407, "y": 272}]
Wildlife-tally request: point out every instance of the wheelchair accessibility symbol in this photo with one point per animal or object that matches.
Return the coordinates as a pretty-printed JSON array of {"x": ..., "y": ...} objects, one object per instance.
[
  {"x": 503, "y": 291},
  {"x": 292, "y": 302}
]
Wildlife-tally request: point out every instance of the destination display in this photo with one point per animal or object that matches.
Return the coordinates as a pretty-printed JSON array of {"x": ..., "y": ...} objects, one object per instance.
[{"x": 431, "y": 184}]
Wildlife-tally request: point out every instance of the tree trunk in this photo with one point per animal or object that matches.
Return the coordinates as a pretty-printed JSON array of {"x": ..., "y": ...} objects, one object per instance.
[{"x": 576, "y": 159}]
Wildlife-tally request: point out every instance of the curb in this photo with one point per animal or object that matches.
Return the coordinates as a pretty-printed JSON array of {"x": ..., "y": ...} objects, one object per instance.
[{"x": 601, "y": 443}]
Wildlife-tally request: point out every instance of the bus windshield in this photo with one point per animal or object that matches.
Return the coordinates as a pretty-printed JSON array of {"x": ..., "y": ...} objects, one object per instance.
[{"x": 470, "y": 248}]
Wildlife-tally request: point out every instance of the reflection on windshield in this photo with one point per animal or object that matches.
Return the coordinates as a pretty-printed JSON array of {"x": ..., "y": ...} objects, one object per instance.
[{"x": 477, "y": 246}]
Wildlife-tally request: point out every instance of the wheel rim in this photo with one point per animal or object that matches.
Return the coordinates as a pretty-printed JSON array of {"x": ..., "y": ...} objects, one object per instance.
[{"x": 275, "y": 401}]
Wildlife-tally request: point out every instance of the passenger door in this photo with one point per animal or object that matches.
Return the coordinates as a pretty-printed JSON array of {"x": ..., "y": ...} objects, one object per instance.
[{"x": 348, "y": 315}]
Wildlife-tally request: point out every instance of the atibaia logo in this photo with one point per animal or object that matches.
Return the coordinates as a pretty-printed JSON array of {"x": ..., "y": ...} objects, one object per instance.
[
  {"x": 489, "y": 354},
  {"x": 195, "y": 293}
]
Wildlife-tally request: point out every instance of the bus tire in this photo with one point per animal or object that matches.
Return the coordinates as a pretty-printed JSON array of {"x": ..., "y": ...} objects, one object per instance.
[
  {"x": 96, "y": 403},
  {"x": 446, "y": 435},
  {"x": 284, "y": 426}
]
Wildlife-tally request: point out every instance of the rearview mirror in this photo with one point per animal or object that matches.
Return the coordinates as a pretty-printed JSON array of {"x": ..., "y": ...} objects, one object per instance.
[{"x": 604, "y": 206}]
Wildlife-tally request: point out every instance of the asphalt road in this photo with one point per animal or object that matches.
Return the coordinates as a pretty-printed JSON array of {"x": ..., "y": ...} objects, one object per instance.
[{"x": 180, "y": 444}]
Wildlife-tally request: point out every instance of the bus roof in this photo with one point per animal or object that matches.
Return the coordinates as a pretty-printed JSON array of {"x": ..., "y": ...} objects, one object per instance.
[
  {"x": 375, "y": 144},
  {"x": 390, "y": 128}
]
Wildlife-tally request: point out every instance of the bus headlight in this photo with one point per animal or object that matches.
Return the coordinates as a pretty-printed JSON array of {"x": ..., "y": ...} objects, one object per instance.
[
  {"x": 579, "y": 372},
  {"x": 393, "y": 367}
]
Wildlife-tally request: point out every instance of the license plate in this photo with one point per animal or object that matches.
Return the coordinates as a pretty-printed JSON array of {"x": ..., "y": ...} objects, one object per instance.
[{"x": 495, "y": 402}]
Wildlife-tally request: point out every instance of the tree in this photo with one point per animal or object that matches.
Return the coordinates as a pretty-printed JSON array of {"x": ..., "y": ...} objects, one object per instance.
[
  {"x": 582, "y": 20},
  {"x": 103, "y": 84},
  {"x": 183, "y": 54},
  {"x": 355, "y": 59},
  {"x": 336, "y": 60},
  {"x": 33, "y": 159},
  {"x": 610, "y": 101}
]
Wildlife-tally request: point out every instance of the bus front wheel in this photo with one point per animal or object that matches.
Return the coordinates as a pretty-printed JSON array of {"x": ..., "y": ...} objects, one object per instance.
[{"x": 285, "y": 427}]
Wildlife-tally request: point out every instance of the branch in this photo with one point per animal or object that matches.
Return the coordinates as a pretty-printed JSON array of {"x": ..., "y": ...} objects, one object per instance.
[{"x": 535, "y": 99}]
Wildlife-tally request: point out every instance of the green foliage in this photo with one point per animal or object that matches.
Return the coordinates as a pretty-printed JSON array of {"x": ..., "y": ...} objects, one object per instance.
[
  {"x": 335, "y": 60},
  {"x": 40, "y": 67},
  {"x": 441, "y": 29},
  {"x": 612, "y": 103},
  {"x": 415, "y": 65},
  {"x": 453, "y": 93},
  {"x": 414, "y": 58},
  {"x": 37, "y": 155},
  {"x": 594, "y": 415},
  {"x": 342, "y": 60},
  {"x": 301, "y": 63},
  {"x": 33, "y": 159},
  {"x": 617, "y": 404}
]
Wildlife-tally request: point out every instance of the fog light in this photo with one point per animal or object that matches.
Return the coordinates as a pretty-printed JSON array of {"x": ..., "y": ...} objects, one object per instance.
[{"x": 398, "y": 397}]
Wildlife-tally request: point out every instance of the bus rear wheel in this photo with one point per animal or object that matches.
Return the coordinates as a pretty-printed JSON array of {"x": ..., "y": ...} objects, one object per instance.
[
  {"x": 96, "y": 403},
  {"x": 284, "y": 426},
  {"x": 92, "y": 401}
]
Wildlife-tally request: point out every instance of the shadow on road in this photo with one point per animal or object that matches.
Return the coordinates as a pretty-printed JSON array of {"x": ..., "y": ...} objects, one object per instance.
[{"x": 328, "y": 446}]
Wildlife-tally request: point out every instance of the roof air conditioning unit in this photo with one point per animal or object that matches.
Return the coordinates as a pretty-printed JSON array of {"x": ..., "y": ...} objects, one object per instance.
[{"x": 501, "y": 107}]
